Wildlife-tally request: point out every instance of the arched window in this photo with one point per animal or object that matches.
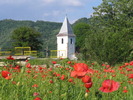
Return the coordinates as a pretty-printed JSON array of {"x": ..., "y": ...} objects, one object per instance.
[
  {"x": 71, "y": 41},
  {"x": 62, "y": 40}
]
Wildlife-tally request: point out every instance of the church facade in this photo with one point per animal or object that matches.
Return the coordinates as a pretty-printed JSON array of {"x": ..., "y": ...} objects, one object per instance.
[{"x": 66, "y": 41}]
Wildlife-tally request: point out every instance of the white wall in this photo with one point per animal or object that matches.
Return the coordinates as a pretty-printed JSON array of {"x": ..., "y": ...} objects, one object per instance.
[{"x": 67, "y": 48}]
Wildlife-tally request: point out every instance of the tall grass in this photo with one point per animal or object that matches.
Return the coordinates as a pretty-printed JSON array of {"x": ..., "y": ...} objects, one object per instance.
[{"x": 47, "y": 82}]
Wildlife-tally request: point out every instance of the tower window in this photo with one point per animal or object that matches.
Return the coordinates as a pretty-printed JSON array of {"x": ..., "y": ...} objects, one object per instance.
[
  {"x": 62, "y": 40},
  {"x": 71, "y": 41}
]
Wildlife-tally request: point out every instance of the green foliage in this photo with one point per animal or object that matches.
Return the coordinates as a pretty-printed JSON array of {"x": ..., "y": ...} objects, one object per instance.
[
  {"x": 80, "y": 31},
  {"x": 26, "y": 37},
  {"x": 48, "y": 31},
  {"x": 111, "y": 32}
]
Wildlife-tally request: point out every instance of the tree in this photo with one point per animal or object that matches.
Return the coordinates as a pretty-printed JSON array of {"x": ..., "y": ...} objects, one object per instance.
[
  {"x": 25, "y": 36},
  {"x": 80, "y": 31},
  {"x": 111, "y": 32}
]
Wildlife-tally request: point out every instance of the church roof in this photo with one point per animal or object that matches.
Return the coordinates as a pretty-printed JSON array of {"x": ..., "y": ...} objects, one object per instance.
[{"x": 66, "y": 29}]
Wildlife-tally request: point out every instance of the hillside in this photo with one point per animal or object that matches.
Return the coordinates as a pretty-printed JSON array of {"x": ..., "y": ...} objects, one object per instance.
[{"x": 48, "y": 31}]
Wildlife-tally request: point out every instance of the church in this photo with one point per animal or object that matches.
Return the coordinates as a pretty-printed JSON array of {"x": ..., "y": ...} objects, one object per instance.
[{"x": 66, "y": 41}]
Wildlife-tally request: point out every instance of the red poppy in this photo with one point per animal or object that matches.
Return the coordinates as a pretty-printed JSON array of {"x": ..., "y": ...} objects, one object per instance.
[
  {"x": 35, "y": 85},
  {"x": 80, "y": 69},
  {"x": 69, "y": 62},
  {"x": 131, "y": 63},
  {"x": 125, "y": 91},
  {"x": 28, "y": 65},
  {"x": 130, "y": 75},
  {"x": 35, "y": 94},
  {"x": 126, "y": 64},
  {"x": 78, "y": 74},
  {"x": 37, "y": 98},
  {"x": 26, "y": 60},
  {"x": 70, "y": 80},
  {"x": 88, "y": 85},
  {"x": 53, "y": 62},
  {"x": 109, "y": 86},
  {"x": 10, "y": 58},
  {"x": 6, "y": 74},
  {"x": 86, "y": 79},
  {"x": 62, "y": 77},
  {"x": 51, "y": 81}
]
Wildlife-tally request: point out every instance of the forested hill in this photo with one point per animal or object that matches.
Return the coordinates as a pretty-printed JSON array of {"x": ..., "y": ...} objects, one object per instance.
[{"x": 47, "y": 29}]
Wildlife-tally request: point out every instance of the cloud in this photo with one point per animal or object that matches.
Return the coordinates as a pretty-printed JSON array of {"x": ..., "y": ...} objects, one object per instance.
[
  {"x": 64, "y": 2},
  {"x": 72, "y": 2},
  {"x": 49, "y": 10},
  {"x": 53, "y": 13}
]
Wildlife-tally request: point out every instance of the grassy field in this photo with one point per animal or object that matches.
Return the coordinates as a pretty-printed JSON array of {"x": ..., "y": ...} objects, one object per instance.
[{"x": 61, "y": 79}]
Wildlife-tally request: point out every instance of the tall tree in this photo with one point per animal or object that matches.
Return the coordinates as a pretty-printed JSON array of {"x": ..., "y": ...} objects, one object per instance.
[
  {"x": 80, "y": 31},
  {"x": 25, "y": 36},
  {"x": 112, "y": 32}
]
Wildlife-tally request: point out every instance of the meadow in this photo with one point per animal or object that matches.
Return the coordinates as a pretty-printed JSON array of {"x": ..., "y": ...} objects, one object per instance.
[{"x": 62, "y": 79}]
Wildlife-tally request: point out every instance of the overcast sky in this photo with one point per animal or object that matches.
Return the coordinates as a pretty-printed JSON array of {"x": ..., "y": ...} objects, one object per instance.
[{"x": 47, "y": 10}]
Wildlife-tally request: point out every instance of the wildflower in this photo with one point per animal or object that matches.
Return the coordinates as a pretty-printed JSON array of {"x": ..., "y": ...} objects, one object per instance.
[
  {"x": 6, "y": 74},
  {"x": 35, "y": 85},
  {"x": 28, "y": 65},
  {"x": 37, "y": 98},
  {"x": 10, "y": 58},
  {"x": 109, "y": 86},
  {"x": 35, "y": 94},
  {"x": 50, "y": 91},
  {"x": 88, "y": 85},
  {"x": 87, "y": 91},
  {"x": 131, "y": 63},
  {"x": 130, "y": 75},
  {"x": 125, "y": 91},
  {"x": 80, "y": 69},
  {"x": 126, "y": 64},
  {"x": 26, "y": 60},
  {"x": 51, "y": 81},
  {"x": 69, "y": 62},
  {"x": 70, "y": 80},
  {"x": 86, "y": 79},
  {"x": 62, "y": 77},
  {"x": 53, "y": 62}
]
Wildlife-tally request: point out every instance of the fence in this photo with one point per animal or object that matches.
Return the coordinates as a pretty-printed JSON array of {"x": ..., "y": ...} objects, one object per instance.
[{"x": 19, "y": 51}]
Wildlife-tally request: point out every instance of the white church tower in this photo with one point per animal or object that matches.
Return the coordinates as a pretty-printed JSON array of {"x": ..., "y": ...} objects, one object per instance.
[{"x": 66, "y": 41}]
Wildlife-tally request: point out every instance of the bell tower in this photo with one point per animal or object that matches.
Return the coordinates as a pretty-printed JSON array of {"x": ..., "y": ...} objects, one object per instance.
[{"x": 66, "y": 41}]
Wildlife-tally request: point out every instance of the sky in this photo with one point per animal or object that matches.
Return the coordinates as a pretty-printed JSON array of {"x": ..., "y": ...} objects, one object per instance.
[{"x": 47, "y": 10}]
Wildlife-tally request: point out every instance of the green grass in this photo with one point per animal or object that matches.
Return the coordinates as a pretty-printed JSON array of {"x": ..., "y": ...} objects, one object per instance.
[{"x": 20, "y": 86}]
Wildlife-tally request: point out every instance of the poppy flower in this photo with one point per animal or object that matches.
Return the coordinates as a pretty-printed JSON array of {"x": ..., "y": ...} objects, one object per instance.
[
  {"x": 109, "y": 86},
  {"x": 53, "y": 62},
  {"x": 131, "y": 63},
  {"x": 69, "y": 62},
  {"x": 28, "y": 65},
  {"x": 80, "y": 69},
  {"x": 10, "y": 58},
  {"x": 35, "y": 94},
  {"x": 51, "y": 81},
  {"x": 62, "y": 77},
  {"x": 125, "y": 91},
  {"x": 6, "y": 74},
  {"x": 70, "y": 80},
  {"x": 86, "y": 79},
  {"x": 37, "y": 98},
  {"x": 88, "y": 85},
  {"x": 35, "y": 85},
  {"x": 130, "y": 75}
]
